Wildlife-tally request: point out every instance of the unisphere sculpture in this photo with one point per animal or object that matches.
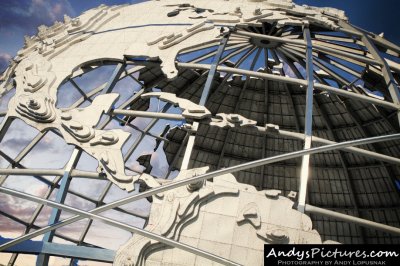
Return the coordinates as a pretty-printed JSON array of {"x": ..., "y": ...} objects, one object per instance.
[{"x": 233, "y": 123}]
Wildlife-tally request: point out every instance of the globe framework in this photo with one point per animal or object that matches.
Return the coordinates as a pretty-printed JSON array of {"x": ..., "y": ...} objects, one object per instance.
[{"x": 194, "y": 132}]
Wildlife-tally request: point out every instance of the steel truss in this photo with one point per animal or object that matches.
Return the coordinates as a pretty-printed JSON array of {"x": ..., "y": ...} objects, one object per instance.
[{"x": 312, "y": 53}]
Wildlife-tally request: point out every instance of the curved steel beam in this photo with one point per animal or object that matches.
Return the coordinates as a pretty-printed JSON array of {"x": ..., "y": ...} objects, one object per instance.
[
  {"x": 351, "y": 219},
  {"x": 294, "y": 81},
  {"x": 120, "y": 225},
  {"x": 202, "y": 177}
]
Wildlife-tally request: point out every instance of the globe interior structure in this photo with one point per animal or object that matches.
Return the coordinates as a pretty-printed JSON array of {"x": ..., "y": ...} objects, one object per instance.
[{"x": 194, "y": 132}]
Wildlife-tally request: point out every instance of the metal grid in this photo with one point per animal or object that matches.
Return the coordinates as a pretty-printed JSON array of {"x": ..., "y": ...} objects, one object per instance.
[{"x": 318, "y": 87}]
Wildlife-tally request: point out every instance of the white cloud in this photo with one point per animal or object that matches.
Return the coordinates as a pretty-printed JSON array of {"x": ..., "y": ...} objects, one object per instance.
[{"x": 4, "y": 61}]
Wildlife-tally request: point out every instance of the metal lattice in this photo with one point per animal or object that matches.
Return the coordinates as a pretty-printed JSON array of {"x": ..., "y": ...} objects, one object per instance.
[{"x": 313, "y": 112}]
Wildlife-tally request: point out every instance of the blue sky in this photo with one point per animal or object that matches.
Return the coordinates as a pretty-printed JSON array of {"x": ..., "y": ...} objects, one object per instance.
[{"x": 22, "y": 17}]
